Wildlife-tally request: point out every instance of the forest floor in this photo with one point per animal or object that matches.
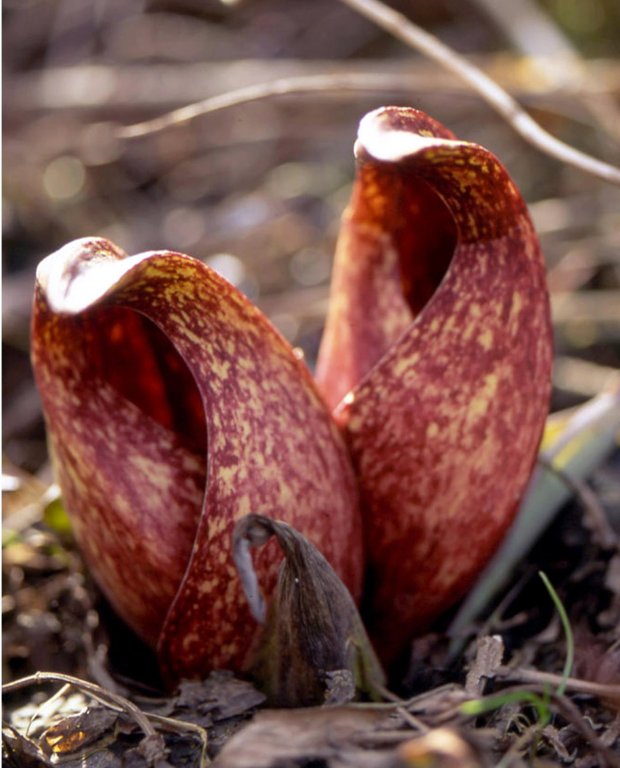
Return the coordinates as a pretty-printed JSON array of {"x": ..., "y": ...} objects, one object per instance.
[{"x": 107, "y": 713}]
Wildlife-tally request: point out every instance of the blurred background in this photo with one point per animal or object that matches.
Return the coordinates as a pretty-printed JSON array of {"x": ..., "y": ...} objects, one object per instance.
[{"x": 257, "y": 190}]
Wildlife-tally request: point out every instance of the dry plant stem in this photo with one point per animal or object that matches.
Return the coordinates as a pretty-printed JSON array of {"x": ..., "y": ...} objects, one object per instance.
[
  {"x": 115, "y": 701},
  {"x": 496, "y": 617},
  {"x": 600, "y": 690},
  {"x": 549, "y": 48},
  {"x": 573, "y": 714},
  {"x": 47, "y": 703},
  {"x": 518, "y": 747},
  {"x": 173, "y": 725},
  {"x": 417, "y": 703},
  {"x": 414, "y": 722},
  {"x": 415, "y": 37},
  {"x": 368, "y": 82},
  {"x": 285, "y": 86},
  {"x": 389, "y": 696},
  {"x": 106, "y": 697}
]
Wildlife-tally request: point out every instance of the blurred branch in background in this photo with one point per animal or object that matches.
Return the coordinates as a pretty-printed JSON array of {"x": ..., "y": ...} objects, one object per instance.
[
  {"x": 127, "y": 90},
  {"x": 553, "y": 58},
  {"x": 399, "y": 26},
  {"x": 420, "y": 78}
]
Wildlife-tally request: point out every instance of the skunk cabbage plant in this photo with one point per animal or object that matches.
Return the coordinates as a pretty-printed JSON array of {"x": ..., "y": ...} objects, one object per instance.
[{"x": 174, "y": 408}]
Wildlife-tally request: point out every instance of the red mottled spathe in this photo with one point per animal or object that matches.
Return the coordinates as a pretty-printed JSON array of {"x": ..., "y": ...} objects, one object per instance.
[
  {"x": 174, "y": 407},
  {"x": 444, "y": 388},
  {"x": 113, "y": 337}
]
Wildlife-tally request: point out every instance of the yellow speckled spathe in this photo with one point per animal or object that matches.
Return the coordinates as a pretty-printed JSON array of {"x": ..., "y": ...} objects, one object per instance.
[
  {"x": 153, "y": 520},
  {"x": 174, "y": 407},
  {"x": 448, "y": 396}
]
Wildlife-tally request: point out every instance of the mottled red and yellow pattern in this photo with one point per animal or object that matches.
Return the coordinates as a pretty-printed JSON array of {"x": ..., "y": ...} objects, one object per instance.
[
  {"x": 156, "y": 465},
  {"x": 438, "y": 345},
  {"x": 174, "y": 408}
]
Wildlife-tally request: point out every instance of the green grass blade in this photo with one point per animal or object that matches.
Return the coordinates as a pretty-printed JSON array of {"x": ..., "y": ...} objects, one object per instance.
[{"x": 568, "y": 632}]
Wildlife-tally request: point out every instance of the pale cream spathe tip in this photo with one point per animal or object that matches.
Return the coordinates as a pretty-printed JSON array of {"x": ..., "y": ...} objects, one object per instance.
[{"x": 79, "y": 275}]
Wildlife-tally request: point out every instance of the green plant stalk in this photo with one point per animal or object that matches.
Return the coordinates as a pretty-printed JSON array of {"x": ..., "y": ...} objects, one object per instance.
[{"x": 568, "y": 632}]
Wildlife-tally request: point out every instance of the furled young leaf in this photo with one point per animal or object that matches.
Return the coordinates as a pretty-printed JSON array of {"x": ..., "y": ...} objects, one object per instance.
[
  {"x": 436, "y": 358},
  {"x": 174, "y": 408},
  {"x": 314, "y": 647}
]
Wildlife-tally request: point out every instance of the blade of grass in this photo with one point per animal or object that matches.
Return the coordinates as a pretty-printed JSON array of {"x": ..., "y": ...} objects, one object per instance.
[
  {"x": 487, "y": 704},
  {"x": 568, "y": 632}
]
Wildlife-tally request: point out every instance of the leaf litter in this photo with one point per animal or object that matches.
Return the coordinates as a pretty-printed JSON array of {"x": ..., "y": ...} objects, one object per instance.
[{"x": 511, "y": 663}]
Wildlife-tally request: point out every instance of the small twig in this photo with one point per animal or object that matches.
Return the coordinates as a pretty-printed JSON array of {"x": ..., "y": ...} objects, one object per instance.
[
  {"x": 413, "y": 721},
  {"x": 285, "y": 86},
  {"x": 173, "y": 725},
  {"x": 118, "y": 703},
  {"x": 420, "y": 702},
  {"x": 575, "y": 716},
  {"x": 601, "y": 690},
  {"x": 60, "y": 693},
  {"x": 416, "y": 703},
  {"x": 388, "y": 695},
  {"x": 494, "y": 620},
  {"x": 529, "y": 735},
  {"x": 414, "y": 36},
  {"x": 106, "y": 697},
  {"x": 551, "y": 53}
]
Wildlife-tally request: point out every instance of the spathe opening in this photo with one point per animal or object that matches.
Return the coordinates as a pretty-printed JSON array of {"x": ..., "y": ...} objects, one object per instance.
[
  {"x": 136, "y": 358},
  {"x": 395, "y": 248},
  {"x": 426, "y": 241}
]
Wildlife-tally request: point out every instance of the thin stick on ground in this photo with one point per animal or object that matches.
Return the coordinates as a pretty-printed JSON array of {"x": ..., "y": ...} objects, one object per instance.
[
  {"x": 94, "y": 690},
  {"x": 601, "y": 690},
  {"x": 117, "y": 702},
  {"x": 428, "y": 45}
]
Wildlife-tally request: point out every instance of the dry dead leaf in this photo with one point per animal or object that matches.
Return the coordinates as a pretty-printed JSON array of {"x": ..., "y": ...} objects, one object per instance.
[
  {"x": 279, "y": 737},
  {"x": 220, "y": 696},
  {"x": 76, "y": 732}
]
